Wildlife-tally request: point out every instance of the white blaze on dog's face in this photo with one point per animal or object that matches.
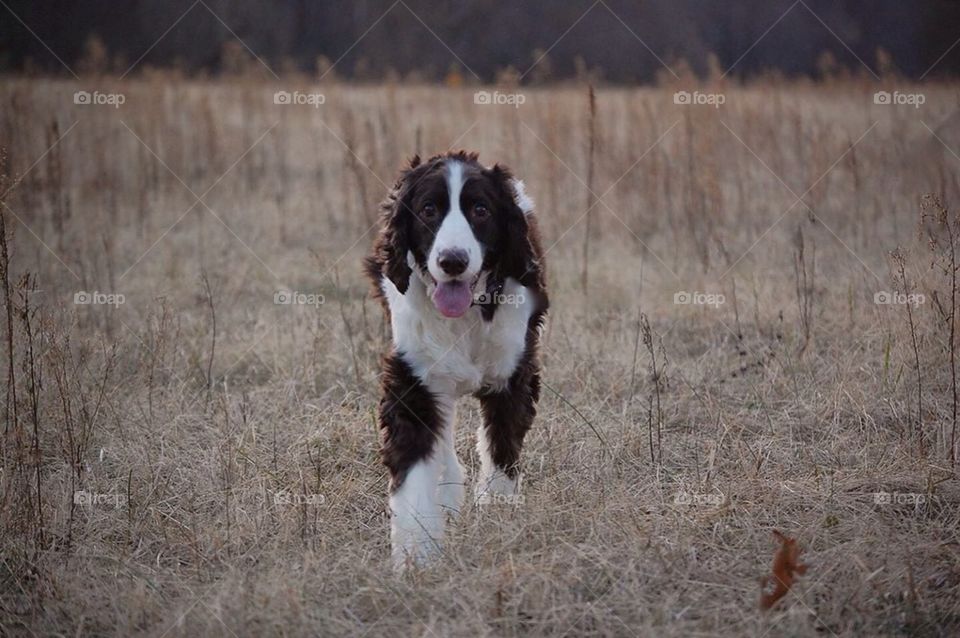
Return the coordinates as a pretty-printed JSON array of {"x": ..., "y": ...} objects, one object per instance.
[{"x": 456, "y": 254}]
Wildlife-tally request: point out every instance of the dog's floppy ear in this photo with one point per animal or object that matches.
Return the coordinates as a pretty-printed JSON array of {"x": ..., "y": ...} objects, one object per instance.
[
  {"x": 394, "y": 242},
  {"x": 520, "y": 251}
]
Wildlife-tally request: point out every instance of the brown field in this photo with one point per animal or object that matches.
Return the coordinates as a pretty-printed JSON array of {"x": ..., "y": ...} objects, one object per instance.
[{"x": 200, "y": 460}]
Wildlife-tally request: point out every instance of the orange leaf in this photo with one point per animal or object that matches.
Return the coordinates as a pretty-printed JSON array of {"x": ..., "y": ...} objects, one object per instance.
[{"x": 786, "y": 567}]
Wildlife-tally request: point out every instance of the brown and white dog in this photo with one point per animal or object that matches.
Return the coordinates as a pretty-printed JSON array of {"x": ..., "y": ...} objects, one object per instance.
[{"x": 459, "y": 270}]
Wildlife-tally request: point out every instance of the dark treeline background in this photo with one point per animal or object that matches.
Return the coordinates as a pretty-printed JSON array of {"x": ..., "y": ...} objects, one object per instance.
[{"x": 487, "y": 36}]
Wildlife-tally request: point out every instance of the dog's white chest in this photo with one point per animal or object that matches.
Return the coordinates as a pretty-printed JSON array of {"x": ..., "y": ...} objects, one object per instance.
[{"x": 459, "y": 356}]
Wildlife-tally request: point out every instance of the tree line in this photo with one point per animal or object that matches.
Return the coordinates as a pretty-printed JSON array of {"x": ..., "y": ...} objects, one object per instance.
[{"x": 617, "y": 41}]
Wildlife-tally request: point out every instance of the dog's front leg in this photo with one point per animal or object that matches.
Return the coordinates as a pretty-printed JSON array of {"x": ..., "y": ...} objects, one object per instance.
[
  {"x": 411, "y": 423},
  {"x": 507, "y": 416}
]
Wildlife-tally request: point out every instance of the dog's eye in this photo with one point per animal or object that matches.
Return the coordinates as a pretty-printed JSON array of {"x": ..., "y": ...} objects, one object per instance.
[
  {"x": 429, "y": 210},
  {"x": 481, "y": 211}
]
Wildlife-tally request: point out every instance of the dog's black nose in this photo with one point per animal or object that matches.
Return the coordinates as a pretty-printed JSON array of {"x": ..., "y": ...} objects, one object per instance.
[{"x": 453, "y": 261}]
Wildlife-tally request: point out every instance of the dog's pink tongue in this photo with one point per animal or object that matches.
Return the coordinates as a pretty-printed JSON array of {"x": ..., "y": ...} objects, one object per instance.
[{"x": 452, "y": 298}]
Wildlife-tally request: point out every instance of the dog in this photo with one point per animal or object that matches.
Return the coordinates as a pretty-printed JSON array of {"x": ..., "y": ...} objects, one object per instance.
[{"x": 458, "y": 268}]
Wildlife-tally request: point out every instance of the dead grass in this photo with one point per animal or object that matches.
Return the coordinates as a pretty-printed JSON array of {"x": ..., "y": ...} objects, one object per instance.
[{"x": 234, "y": 469}]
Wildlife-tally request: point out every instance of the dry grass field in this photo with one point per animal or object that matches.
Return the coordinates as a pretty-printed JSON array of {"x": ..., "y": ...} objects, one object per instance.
[{"x": 184, "y": 454}]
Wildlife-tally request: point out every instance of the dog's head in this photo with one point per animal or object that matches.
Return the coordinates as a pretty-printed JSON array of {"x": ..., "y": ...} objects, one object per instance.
[{"x": 461, "y": 228}]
